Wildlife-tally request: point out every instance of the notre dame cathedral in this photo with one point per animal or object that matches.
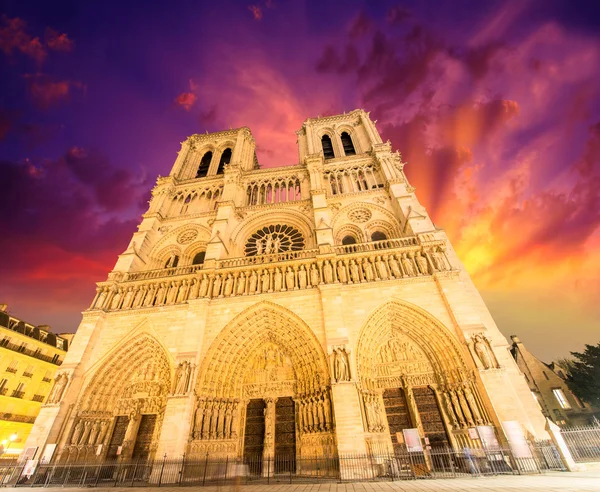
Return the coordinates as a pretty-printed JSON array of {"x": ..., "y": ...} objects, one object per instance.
[{"x": 306, "y": 310}]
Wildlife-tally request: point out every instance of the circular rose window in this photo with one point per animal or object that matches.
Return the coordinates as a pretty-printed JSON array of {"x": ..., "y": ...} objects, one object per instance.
[{"x": 274, "y": 239}]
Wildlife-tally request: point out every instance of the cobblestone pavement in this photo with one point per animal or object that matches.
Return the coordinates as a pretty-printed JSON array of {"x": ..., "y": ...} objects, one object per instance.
[{"x": 550, "y": 482}]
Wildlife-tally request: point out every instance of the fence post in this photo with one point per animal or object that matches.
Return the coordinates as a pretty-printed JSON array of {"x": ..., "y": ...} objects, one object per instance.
[
  {"x": 182, "y": 467},
  {"x": 162, "y": 468},
  {"x": 134, "y": 472},
  {"x": 561, "y": 446},
  {"x": 205, "y": 467}
]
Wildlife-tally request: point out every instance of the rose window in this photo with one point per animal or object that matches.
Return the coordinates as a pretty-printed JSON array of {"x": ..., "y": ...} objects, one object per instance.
[{"x": 274, "y": 239}]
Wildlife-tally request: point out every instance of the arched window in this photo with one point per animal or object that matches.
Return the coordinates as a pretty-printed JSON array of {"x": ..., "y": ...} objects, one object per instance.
[
  {"x": 349, "y": 240},
  {"x": 199, "y": 258},
  {"x": 225, "y": 159},
  {"x": 378, "y": 236},
  {"x": 172, "y": 261},
  {"x": 327, "y": 147},
  {"x": 204, "y": 165},
  {"x": 347, "y": 144}
]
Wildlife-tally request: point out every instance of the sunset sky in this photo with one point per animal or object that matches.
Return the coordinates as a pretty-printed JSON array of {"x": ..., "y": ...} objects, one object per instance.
[{"x": 495, "y": 107}]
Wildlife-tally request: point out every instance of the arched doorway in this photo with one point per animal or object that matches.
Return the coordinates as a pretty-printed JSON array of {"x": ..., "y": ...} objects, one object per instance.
[
  {"x": 120, "y": 413},
  {"x": 264, "y": 391},
  {"x": 415, "y": 374}
]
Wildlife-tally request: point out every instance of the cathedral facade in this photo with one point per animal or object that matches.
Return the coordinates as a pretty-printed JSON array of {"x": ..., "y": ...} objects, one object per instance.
[{"x": 306, "y": 310}]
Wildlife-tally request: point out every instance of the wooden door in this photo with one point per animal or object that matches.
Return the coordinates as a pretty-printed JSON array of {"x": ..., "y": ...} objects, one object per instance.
[
  {"x": 397, "y": 414},
  {"x": 143, "y": 441},
  {"x": 117, "y": 437},
  {"x": 431, "y": 417},
  {"x": 254, "y": 435},
  {"x": 285, "y": 435}
]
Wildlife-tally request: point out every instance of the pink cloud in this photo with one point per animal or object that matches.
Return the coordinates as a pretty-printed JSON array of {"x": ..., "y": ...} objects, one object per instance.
[
  {"x": 58, "y": 41},
  {"x": 14, "y": 37},
  {"x": 186, "y": 100},
  {"x": 47, "y": 92}
]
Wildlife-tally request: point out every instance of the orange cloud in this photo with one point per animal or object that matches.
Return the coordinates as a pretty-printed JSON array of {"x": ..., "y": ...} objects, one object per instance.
[
  {"x": 186, "y": 100},
  {"x": 256, "y": 12}
]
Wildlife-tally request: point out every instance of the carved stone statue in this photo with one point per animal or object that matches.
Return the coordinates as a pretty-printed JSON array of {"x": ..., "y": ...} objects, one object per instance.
[
  {"x": 341, "y": 272},
  {"x": 354, "y": 272},
  {"x": 394, "y": 267},
  {"x": 76, "y": 436},
  {"x": 102, "y": 433},
  {"x": 60, "y": 383},
  {"x": 259, "y": 247},
  {"x": 228, "y": 285},
  {"x": 368, "y": 269},
  {"x": 482, "y": 349},
  {"x": 241, "y": 284},
  {"x": 289, "y": 279},
  {"x": 302, "y": 278},
  {"x": 315, "y": 278},
  {"x": 422, "y": 264},
  {"x": 265, "y": 281},
  {"x": 94, "y": 433},
  {"x": 203, "y": 286},
  {"x": 253, "y": 282},
  {"x": 217, "y": 286},
  {"x": 381, "y": 268},
  {"x": 328, "y": 272},
  {"x": 182, "y": 378},
  {"x": 341, "y": 367},
  {"x": 408, "y": 266}
]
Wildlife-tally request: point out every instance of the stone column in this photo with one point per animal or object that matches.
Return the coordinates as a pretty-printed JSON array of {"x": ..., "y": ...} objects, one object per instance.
[
  {"x": 130, "y": 435},
  {"x": 268, "y": 467}
]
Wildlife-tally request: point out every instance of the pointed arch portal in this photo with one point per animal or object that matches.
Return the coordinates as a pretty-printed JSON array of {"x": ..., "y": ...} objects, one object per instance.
[
  {"x": 264, "y": 378},
  {"x": 412, "y": 365}
]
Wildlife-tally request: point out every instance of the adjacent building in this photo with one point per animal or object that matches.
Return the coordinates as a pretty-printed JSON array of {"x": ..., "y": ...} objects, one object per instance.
[
  {"x": 548, "y": 386},
  {"x": 295, "y": 311},
  {"x": 29, "y": 358}
]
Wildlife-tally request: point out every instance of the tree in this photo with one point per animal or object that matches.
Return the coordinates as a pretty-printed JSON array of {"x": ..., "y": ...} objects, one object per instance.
[{"x": 584, "y": 377}]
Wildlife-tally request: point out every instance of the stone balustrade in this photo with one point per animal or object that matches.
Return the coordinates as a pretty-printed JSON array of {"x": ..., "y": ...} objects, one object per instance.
[{"x": 390, "y": 259}]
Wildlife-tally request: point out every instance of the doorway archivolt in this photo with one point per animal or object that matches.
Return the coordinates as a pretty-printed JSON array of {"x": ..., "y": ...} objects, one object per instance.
[
  {"x": 123, "y": 404},
  {"x": 414, "y": 373},
  {"x": 270, "y": 354}
]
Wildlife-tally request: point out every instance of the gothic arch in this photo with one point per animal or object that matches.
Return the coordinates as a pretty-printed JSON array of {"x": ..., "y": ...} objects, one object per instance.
[
  {"x": 228, "y": 357},
  {"x": 340, "y": 219},
  {"x": 141, "y": 360},
  {"x": 258, "y": 221},
  {"x": 170, "y": 240},
  {"x": 401, "y": 319}
]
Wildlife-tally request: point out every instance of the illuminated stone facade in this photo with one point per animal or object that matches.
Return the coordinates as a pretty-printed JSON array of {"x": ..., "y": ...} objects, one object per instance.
[
  {"x": 29, "y": 358},
  {"x": 301, "y": 310}
]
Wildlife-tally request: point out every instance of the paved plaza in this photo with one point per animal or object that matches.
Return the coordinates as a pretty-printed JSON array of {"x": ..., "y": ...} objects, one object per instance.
[{"x": 549, "y": 482}]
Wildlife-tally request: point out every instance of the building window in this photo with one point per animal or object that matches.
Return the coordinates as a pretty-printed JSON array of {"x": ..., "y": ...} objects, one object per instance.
[
  {"x": 225, "y": 159},
  {"x": 12, "y": 367},
  {"x": 199, "y": 258},
  {"x": 3, "y": 386},
  {"x": 560, "y": 397},
  {"x": 19, "y": 392},
  {"x": 204, "y": 165},
  {"x": 47, "y": 377},
  {"x": 347, "y": 144},
  {"x": 4, "y": 342},
  {"x": 378, "y": 236},
  {"x": 28, "y": 372},
  {"x": 349, "y": 240},
  {"x": 327, "y": 147}
]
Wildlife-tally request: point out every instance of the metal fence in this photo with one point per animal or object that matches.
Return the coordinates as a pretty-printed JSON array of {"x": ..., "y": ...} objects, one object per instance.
[
  {"x": 583, "y": 442},
  {"x": 438, "y": 463}
]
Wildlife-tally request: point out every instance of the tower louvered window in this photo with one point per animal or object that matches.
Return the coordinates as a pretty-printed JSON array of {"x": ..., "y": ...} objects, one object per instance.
[
  {"x": 327, "y": 147},
  {"x": 204, "y": 165},
  {"x": 347, "y": 144},
  {"x": 225, "y": 159}
]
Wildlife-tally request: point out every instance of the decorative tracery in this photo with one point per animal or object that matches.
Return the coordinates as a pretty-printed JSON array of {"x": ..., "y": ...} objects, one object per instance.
[{"x": 274, "y": 239}]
